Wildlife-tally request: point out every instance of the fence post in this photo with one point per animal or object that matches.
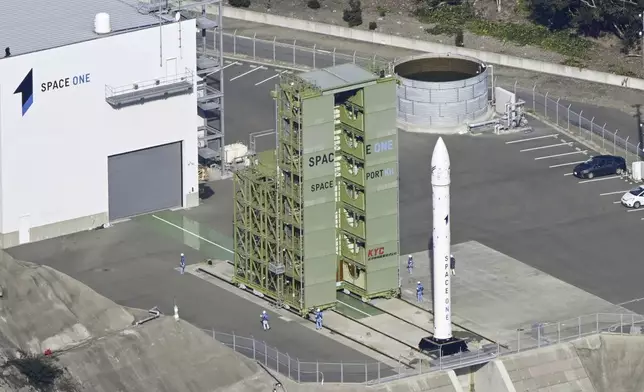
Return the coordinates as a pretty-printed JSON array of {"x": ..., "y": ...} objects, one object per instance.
[
  {"x": 254, "y": 352},
  {"x": 334, "y": 57},
  {"x": 341, "y": 373},
  {"x": 558, "y": 99},
  {"x": 378, "y": 371},
  {"x": 299, "y": 374},
  {"x": 373, "y": 66},
  {"x": 539, "y": 332},
  {"x": 294, "y": 42},
  {"x": 213, "y": 334},
  {"x": 592, "y": 121},
  {"x": 545, "y": 104},
  {"x": 288, "y": 357},
  {"x": 366, "y": 372},
  {"x": 558, "y": 332},
  {"x": 314, "y": 50},
  {"x": 515, "y": 87},
  {"x": 579, "y": 326},
  {"x": 254, "y": 45},
  {"x": 274, "y": 56},
  {"x": 597, "y": 322},
  {"x": 580, "y": 122},
  {"x": 519, "y": 340},
  {"x": 317, "y": 371},
  {"x": 603, "y": 137},
  {"x": 621, "y": 323},
  {"x": 354, "y": 56},
  {"x": 265, "y": 354},
  {"x": 534, "y": 97},
  {"x": 615, "y": 142},
  {"x": 277, "y": 361},
  {"x": 234, "y": 342},
  {"x": 235, "y": 42},
  {"x": 569, "y": 105}
]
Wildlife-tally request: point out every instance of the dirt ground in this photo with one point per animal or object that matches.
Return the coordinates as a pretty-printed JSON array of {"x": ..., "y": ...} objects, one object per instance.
[{"x": 399, "y": 20}]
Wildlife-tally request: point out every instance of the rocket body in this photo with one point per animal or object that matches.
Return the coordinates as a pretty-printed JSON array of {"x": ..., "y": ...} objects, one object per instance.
[{"x": 441, "y": 236}]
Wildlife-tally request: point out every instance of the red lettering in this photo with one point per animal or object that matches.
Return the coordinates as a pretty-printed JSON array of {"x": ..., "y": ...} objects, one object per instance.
[{"x": 376, "y": 252}]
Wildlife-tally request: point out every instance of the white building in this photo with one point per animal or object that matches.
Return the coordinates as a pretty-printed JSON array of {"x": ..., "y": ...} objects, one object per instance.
[{"x": 93, "y": 127}]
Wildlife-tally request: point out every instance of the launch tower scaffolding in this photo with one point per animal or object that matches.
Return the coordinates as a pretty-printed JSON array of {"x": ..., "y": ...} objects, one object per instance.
[{"x": 303, "y": 223}]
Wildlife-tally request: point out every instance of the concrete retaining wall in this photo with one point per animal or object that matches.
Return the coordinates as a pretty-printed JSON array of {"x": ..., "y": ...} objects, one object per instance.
[{"x": 432, "y": 47}]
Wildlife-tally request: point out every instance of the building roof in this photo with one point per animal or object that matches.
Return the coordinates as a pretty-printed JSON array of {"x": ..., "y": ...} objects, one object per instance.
[
  {"x": 338, "y": 76},
  {"x": 31, "y": 25}
]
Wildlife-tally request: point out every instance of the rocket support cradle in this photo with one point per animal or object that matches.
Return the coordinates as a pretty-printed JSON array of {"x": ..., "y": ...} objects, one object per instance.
[{"x": 442, "y": 339}]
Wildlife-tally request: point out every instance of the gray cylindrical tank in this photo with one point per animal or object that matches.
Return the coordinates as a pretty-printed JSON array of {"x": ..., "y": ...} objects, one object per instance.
[{"x": 441, "y": 91}]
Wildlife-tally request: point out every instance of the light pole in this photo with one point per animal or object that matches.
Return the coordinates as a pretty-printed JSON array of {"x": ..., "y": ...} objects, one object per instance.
[{"x": 641, "y": 16}]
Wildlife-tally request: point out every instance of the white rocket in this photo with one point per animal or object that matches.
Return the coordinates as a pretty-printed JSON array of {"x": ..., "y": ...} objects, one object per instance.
[{"x": 441, "y": 242}]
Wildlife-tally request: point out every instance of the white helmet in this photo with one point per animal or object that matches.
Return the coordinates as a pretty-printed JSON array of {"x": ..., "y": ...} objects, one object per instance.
[
  {"x": 182, "y": 254},
  {"x": 419, "y": 282},
  {"x": 409, "y": 256},
  {"x": 318, "y": 309},
  {"x": 264, "y": 312}
]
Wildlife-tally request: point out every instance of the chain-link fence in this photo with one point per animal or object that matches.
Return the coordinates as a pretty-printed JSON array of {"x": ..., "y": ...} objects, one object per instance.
[
  {"x": 529, "y": 337},
  {"x": 583, "y": 125},
  {"x": 300, "y": 55}
]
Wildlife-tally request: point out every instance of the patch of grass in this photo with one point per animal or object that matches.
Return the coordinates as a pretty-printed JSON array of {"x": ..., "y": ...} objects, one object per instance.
[
  {"x": 574, "y": 62},
  {"x": 619, "y": 70},
  {"x": 382, "y": 11},
  {"x": 448, "y": 20}
]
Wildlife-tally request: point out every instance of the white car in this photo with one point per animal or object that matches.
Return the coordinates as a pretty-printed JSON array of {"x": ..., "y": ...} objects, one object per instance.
[{"x": 634, "y": 198}]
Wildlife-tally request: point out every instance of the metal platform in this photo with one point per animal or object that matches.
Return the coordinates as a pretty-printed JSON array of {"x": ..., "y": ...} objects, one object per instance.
[
  {"x": 151, "y": 90},
  {"x": 206, "y": 65},
  {"x": 210, "y": 133},
  {"x": 205, "y": 23},
  {"x": 208, "y": 106}
]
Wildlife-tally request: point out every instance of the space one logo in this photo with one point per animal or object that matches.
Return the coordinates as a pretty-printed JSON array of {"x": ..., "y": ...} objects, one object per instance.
[
  {"x": 26, "y": 87},
  {"x": 387, "y": 145}
]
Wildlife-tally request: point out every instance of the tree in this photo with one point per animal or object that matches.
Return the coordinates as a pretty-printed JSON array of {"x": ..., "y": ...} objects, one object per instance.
[
  {"x": 590, "y": 17},
  {"x": 353, "y": 15}
]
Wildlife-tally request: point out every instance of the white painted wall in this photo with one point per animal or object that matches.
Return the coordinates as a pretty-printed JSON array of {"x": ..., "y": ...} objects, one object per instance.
[{"x": 53, "y": 160}]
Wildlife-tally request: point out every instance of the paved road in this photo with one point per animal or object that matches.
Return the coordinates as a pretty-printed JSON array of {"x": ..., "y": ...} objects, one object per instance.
[
  {"x": 133, "y": 264},
  {"x": 615, "y": 119}
]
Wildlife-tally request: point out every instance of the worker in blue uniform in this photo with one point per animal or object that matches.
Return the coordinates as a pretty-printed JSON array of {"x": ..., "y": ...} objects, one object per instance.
[
  {"x": 318, "y": 319},
  {"x": 182, "y": 264},
  {"x": 264, "y": 318},
  {"x": 419, "y": 292},
  {"x": 410, "y": 264}
]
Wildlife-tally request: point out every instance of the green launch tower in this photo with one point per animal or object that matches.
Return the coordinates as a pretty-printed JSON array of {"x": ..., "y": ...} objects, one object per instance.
[{"x": 320, "y": 213}]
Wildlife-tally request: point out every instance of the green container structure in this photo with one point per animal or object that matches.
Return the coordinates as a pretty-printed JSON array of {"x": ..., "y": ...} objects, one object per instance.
[{"x": 320, "y": 213}]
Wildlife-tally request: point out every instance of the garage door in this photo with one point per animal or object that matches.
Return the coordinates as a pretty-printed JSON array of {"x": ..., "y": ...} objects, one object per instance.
[{"x": 144, "y": 181}]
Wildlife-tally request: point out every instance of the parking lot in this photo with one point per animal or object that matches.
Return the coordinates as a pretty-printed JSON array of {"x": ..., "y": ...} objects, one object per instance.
[{"x": 249, "y": 107}]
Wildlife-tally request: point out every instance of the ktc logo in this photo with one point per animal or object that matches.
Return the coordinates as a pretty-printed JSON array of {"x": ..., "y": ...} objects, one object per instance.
[
  {"x": 26, "y": 90},
  {"x": 376, "y": 252}
]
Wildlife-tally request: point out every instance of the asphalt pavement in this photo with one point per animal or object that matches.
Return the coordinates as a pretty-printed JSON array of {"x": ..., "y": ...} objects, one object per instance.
[
  {"x": 302, "y": 56},
  {"x": 133, "y": 263}
]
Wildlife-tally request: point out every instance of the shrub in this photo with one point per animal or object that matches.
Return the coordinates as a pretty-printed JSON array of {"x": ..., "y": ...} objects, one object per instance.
[
  {"x": 239, "y": 3},
  {"x": 458, "y": 39},
  {"x": 313, "y": 4},
  {"x": 373, "y": 25},
  {"x": 353, "y": 15},
  {"x": 381, "y": 11}
]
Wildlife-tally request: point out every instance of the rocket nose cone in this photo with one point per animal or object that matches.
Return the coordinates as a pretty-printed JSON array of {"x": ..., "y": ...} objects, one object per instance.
[{"x": 440, "y": 164}]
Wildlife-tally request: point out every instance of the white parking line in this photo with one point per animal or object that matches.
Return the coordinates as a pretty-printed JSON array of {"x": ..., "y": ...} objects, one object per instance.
[
  {"x": 612, "y": 193},
  {"x": 246, "y": 73},
  {"x": 272, "y": 77},
  {"x": 560, "y": 155},
  {"x": 635, "y": 210},
  {"x": 568, "y": 174},
  {"x": 617, "y": 202},
  {"x": 600, "y": 179},
  {"x": 531, "y": 139},
  {"x": 235, "y": 63},
  {"x": 544, "y": 147},
  {"x": 566, "y": 164}
]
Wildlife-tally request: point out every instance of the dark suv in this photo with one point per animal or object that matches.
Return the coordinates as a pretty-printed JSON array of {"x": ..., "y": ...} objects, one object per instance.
[{"x": 601, "y": 165}]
